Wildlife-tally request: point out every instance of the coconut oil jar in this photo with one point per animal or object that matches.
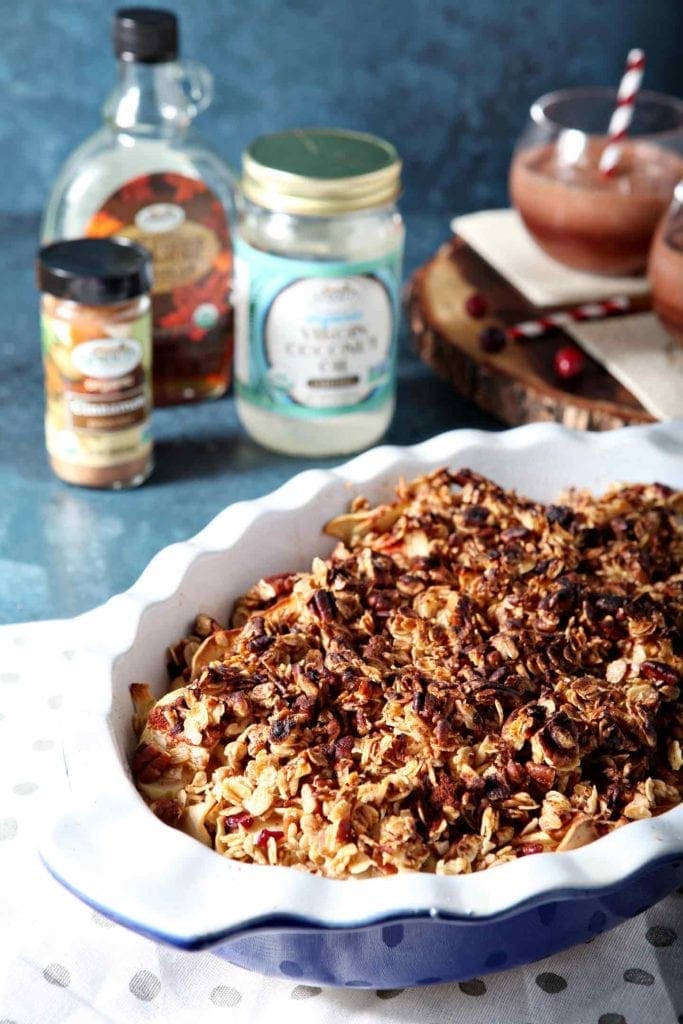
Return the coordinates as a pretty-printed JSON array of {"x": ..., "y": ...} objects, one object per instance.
[{"x": 317, "y": 290}]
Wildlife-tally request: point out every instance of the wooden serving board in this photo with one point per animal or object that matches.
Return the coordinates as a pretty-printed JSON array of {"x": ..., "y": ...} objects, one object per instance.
[{"x": 518, "y": 384}]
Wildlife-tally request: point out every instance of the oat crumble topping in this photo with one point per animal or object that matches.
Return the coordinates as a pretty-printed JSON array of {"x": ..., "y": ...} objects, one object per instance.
[{"x": 471, "y": 677}]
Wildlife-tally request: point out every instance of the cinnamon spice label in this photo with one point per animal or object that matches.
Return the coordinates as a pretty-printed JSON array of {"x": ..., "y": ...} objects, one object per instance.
[
  {"x": 183, "y": 224},
  {"x": 97, "y": 391}
]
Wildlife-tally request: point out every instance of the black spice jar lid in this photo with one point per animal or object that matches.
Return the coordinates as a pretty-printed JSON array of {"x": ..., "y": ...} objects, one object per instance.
[
  {"x": 145, "y": 34},
  {"x": 95, "y": 271}
]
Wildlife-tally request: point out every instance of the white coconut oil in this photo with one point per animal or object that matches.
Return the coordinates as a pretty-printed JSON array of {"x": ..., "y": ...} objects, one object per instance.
[{"x": 317, "y": 281}]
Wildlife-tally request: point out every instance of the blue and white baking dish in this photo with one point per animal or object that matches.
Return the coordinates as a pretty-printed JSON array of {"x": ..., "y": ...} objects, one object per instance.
[{"x": 409, "y": 929}]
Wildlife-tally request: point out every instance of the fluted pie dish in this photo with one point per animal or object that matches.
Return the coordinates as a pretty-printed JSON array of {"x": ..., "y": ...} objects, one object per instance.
[{"x": 390, "y": 927}]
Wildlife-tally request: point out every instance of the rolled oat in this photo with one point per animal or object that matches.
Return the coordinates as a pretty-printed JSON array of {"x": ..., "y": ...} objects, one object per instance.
[{"x": 471, "y": 677}]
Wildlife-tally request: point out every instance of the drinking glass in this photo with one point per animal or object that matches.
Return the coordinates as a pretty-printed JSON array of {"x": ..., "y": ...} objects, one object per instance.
[
  {"x": 665, "y": 268},
  {"x": 583, "y": 218}
]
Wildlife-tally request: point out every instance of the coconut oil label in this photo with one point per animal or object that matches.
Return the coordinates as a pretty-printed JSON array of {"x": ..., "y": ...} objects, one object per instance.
[
  {"x": 315, "y": 338},
  {"x": 183, "y": 224}
]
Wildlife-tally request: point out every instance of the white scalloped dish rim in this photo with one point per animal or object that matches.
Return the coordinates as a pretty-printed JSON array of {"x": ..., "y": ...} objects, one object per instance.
[{"x": 107, "y": 847}]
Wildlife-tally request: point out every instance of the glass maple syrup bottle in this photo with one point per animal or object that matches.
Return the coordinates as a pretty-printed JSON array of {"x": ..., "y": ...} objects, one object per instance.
[{"x": 145, "y": 175}]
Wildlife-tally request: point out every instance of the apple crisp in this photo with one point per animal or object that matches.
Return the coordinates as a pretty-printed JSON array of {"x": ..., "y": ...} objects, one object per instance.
[{"x": 469, "y": 678}]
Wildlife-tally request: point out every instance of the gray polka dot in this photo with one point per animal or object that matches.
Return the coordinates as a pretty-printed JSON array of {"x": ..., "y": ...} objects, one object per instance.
[
  {"x": 55, "y": 974},
  {"x": 223, "y": 995},
  {"x": 102, "y": 922},
  {"x": 8, "y": 828},
  {"x": 68, "y": 655},
  {"x": 2, "y": 719},
  {"x": 660, "y": 936},
  {"x": 389, "y": 993},
  {"x": 551, "y": 983},
  {"x": 6, "y": 1020},
  {"x": 305, "y": 991},
  {"x": 24, "y": 788},
  {"x": 9, "y": 677},
  {"x": 54, "y": 702},
  {"x": 145, "y": 985},
  {"x": 473, "y": 987},
  {"x": 42, "y": 745},
  {"x": 612, "y": 1018},
  {"x": 637, "y": 977},
  {"x": 19, "y": 641}
]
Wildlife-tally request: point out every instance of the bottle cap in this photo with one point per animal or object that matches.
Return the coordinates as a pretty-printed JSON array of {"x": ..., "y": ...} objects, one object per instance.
[
  {"x": 94, "y": 271},
  {"x": 321, "y": 171},
  {"x": 145, "y": 34}
]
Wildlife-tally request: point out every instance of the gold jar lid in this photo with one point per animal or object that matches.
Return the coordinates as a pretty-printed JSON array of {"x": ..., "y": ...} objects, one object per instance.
[{"x": 320, "y": 171}]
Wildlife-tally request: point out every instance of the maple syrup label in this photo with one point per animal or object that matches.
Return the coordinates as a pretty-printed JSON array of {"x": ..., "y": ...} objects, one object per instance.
[
  {"x": 98, "y": 395},
  {"x": 183, "y": 224}
]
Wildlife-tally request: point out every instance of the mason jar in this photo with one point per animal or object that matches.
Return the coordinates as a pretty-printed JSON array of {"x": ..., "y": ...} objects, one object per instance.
[{"x": 318, "y": 259}]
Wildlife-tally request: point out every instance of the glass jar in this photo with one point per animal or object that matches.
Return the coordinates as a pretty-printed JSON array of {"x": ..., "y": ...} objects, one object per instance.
[
  {"x": 147, "y": 175},
  {"x": 318, "y": 259},
  {"x": 665, "y": 268},
  {"x": 97, "y": 356}
]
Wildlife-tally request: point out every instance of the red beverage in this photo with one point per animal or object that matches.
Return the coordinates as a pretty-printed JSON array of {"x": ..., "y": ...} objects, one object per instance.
[
  {"x": 584, "y": 219},
  {"x": 666, "y": 270},
  {"x": 581, "y": 216}
]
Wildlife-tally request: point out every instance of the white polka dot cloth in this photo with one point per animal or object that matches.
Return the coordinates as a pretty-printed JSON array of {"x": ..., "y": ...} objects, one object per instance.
[{"x": 61, "y": 962}]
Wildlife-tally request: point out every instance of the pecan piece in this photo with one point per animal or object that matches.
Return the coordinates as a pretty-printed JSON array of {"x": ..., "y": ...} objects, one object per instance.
[
  {"x": 168, "y": 811},
  {"x": 660, "y": 672},
  {"x": 542, "y": 774},
  {"x": 323, "y": 604},
  {"x": 149, "y": 763},
  {"x": 281, "y": 728},
  {"x": 556, "y": 743}
]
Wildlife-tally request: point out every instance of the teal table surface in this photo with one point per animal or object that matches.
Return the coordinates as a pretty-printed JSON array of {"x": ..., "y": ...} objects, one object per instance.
[{"x": 65, "y": 549}]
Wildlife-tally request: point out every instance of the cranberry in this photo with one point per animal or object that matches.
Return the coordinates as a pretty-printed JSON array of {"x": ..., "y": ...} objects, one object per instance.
[
  {"x": 528, "y": 849},
  {"x": 476, "y": 305},
  {"x": 569, "y": 362},
  {"x": 267, "y": 833},
  {"x": 492, "y": 339},
  {"x": 234, "y": 820}
]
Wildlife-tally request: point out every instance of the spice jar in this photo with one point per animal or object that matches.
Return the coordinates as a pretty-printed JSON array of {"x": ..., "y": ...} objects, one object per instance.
[
  {"x": 97, "y": 355},
  {"x": 317, "y": 279}
]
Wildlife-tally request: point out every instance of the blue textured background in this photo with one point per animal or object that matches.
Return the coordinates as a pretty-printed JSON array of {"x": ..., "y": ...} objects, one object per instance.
[{"x": 448, "y": 81}]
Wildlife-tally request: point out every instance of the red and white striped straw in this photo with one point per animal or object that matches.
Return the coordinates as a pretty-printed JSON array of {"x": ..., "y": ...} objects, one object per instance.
[
  {"x": 590, "y": 311},
  {"x": 629, "y": 87}
]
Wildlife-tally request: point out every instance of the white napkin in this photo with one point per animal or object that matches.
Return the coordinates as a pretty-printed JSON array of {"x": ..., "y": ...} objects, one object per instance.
[
  {"x": 638, "y": 353},
  {"x": 500, "y": 238},
  {"x": 62, "y": 963}
]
